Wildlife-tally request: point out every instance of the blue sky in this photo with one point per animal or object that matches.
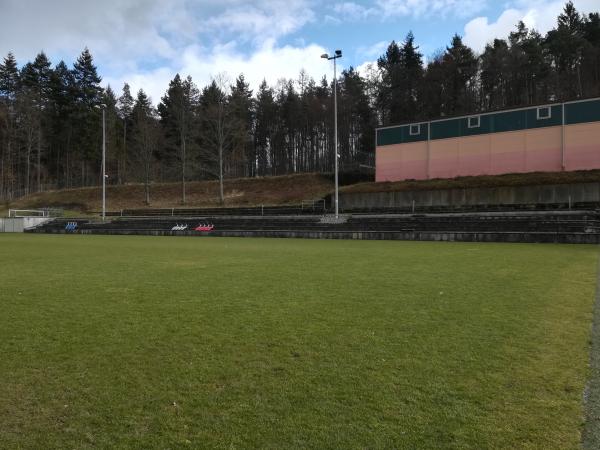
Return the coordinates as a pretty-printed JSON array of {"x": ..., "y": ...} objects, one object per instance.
[{"x": 145, "y": 42}]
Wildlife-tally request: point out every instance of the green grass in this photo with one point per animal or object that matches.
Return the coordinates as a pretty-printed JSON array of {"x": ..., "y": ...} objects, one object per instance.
[{"x": 143, "y": 342}]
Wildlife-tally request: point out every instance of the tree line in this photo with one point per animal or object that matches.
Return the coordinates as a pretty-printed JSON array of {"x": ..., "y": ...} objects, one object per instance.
[{"x": 51, "y": 127}]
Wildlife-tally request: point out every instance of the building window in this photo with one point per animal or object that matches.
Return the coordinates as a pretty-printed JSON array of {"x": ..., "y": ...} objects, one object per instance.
[
  {"x": 544, "y": 113},
  {"x": 474, "y": 121},
  {"x": 414, "y": 130}
]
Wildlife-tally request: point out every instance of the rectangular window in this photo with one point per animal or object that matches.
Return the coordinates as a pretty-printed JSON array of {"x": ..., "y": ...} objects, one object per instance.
[
  {"x": 474, "y": 121},
  {"x": 544, "y": 112},
  {"x": 414, "y": 130}
]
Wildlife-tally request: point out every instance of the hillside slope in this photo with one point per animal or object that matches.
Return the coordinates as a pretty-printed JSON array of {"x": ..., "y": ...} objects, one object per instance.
[
  {"x": 511, "y": 179},
  {"x": 278, "y": 190}
]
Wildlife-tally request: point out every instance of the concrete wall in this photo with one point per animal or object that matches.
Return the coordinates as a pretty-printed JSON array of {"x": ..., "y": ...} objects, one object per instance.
[
  {"x": 567, "y": 238},
  {"x": 11, "y": 225},
  {"x": 507, "y": 195},
  {"x": 20, "y": 224},
  {"x": 531, "y": 150}
]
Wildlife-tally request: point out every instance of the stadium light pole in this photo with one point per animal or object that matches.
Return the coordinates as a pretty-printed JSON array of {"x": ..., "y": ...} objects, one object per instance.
[
  {"x": 102, "y": 106},
  {"x": 338, "y": 54}
]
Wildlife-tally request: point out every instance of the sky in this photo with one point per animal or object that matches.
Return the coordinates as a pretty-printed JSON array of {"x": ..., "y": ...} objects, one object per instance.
[{"x": 146, "y": 42}]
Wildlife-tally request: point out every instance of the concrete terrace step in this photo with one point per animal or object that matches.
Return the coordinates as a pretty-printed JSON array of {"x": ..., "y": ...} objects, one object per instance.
[{"x": 537, "y": 226}]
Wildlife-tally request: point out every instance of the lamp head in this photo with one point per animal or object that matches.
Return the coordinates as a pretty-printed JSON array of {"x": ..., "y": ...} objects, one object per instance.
[
  {"x": 325, "y": 56},
  {"x": 338, "y": 53}
]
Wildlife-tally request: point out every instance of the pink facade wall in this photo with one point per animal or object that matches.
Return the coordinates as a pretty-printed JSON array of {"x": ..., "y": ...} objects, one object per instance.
[
  {"x": 407, "y": 161},
  {"x": 582, "y": 146},
  {"x": 530, "y": 150}
]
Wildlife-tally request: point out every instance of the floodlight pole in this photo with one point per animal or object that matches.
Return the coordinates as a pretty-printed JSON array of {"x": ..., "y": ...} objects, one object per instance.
[
  {"x": 103, "y": 163},
  {"x": 335, "y": 128},
  {"x": 338, "y": 54}
]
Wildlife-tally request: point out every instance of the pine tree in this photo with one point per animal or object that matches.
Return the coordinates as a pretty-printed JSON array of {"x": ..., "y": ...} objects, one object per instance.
[
  {"x": 177, "y": 110},
  {"x": 459, "y": 67},
  {"x": 389, "y": 94},
  {"x": 87, "y": 80},
  {"x": 125, "y": 110},
  {"x": 145, "y": 138},
  {"x": 9, "y": 77},
  {"x": 88, "y": 94},
  {"x": 357, "y": 124},
  {"x": 264, "y": 128},
  {"x": 566, "y": 45},
  {"x": 9, "y": 85},
  {"x": 590, "y": 65},
  {"x": 62, "y": 100},
  {"x": 218, "y": 130},
  {"x": 411, "y": 77},
  {"x": 241, "y": 106},
  {"x": 109, "y": 99},
  {"x": 494, "y": 74},
  {"x": 35, "y": 85}
]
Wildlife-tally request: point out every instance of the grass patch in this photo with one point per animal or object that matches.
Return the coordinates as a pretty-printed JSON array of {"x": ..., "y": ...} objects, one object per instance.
[
  {"x": 121, "y": 342},
  {"x": 279, "y": 190},
  {"x": 481, "y": 181}
]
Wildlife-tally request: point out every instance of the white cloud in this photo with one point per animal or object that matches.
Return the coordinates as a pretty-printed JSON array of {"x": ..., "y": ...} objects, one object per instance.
[
  {"x": 145, "y": 42},
  {"x": 372, "y": 51},
  {"x": 368, "y": 68},
  {"x": 353, "y": 11},
  {"x": 112, "y": 29},
  {"x": 393, "y": 9},
  {"x": 263, "y": 20},
  {"x": 479, "y": 31},
  {"x": 270, "y": 62},
  {"x": 538, "y": 14},
  {"x": 428, "y": 8}
]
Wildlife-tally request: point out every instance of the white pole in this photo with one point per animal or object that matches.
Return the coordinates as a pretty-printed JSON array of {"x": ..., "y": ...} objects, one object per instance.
[
  {"x": 103, "y": 163},
  {"x": 336, "y": 135},
  {"x": 562, "y": 136}
]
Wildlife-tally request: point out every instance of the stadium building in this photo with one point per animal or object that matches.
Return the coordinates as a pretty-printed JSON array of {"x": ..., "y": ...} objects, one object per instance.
[{"x": 547, "y": 138}]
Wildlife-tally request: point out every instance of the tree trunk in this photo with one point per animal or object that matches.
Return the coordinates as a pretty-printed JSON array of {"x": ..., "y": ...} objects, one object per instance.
[
  {"x": 29, "y": 149},
  {"x": 2, "y": 175},
  {"x": 147, "y": 186},
  {"x": 68, "y": 159},
  {"x": 221, "y": 194},
  {"x": 39, "y": 160}
]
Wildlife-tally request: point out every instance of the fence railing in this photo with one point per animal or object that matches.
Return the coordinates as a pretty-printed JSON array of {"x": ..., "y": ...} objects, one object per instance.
[{"x": 314, "y": 207}]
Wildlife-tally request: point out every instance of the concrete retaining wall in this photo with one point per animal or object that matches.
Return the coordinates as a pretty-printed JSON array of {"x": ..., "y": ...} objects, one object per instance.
[
  {"x": 554, "y": 194},
  {"x": 569, "y": 238},
  {"x": 11, "y": 225},
  {"x": 20, "y": 224}
]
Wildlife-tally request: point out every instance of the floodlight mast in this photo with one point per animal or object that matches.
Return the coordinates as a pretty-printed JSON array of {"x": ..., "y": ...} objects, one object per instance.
[
  {"x": 338, "y": 54},
  {"x": 102, "y": 106},
  {"x": 103, "y": 162}
]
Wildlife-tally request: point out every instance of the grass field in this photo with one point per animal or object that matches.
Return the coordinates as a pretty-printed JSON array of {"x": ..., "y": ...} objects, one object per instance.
[{"x": 144, "y": 342}]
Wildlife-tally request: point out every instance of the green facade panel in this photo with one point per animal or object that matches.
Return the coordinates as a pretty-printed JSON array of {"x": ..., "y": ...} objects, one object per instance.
[
  {"x": 485, "y": 126},
  {"x": 581, "y": 112},
  {"x": 509, "y": 121},
  {"x": 445, "y": 129},
  {"x": 502, "y": 121},
  {"x": 553, "y": 121},
  {"x": 400, "y": 135},
  {"x": 389, "y": 136}
]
